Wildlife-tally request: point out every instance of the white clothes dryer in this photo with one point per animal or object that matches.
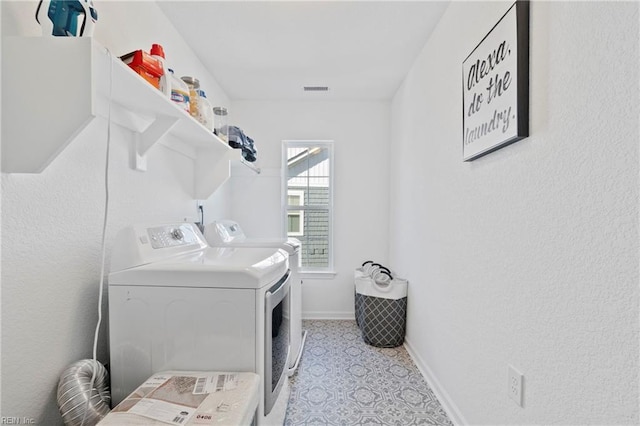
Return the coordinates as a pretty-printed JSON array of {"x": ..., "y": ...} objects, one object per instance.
[
  {"x": 228, "y": 233},
  {"x": 177, "y": 304}
]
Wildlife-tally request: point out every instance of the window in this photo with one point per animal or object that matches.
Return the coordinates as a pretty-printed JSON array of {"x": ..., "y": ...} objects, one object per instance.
[
  {"x": 308, "y": 199},
  {"x": 295, "y": 218}
]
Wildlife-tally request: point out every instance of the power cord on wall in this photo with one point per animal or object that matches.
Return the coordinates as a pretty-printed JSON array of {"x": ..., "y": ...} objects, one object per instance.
[
  {"x": 200, "y": 224},
  {"x": 103, "y": 243}
]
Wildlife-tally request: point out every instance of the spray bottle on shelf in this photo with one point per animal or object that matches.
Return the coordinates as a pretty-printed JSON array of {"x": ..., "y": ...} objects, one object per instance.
[{"x": 158, "y": 52}]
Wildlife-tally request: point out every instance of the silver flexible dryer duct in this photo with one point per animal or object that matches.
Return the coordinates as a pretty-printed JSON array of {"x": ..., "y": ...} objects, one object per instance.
[{"x": 73, "y": 393}]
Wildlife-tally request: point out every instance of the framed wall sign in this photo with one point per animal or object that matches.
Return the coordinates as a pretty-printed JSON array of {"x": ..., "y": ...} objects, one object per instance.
[{"x": 495, "y": 94}]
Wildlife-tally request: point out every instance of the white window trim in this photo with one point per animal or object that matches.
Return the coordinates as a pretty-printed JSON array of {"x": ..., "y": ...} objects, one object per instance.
[{"x": 329, "y": 269}]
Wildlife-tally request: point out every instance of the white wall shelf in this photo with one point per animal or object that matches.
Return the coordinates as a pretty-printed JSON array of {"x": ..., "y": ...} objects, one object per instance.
[{"x": 53, "y": 87}]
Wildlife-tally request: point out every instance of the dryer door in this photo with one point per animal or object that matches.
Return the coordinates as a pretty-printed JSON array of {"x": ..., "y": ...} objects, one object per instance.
[{"x": 276, "y": 340}]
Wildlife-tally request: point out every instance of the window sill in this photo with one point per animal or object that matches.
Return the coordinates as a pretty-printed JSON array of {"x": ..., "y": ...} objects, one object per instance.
[{"x": 317, "y": 275}]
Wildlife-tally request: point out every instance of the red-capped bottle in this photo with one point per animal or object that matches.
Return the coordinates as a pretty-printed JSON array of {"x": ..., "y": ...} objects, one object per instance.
[{"x": 158, "y": 52}]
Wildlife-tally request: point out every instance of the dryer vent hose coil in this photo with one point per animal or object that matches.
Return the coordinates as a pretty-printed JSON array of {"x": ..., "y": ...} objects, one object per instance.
[{"x": 74, "y": 390}]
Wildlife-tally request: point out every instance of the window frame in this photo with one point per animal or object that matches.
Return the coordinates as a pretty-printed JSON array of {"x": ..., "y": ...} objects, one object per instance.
[{"x": 310, "y": 272}]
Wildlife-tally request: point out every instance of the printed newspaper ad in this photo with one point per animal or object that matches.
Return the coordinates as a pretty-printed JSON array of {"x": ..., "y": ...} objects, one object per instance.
[{"x": 174, "y": 399}]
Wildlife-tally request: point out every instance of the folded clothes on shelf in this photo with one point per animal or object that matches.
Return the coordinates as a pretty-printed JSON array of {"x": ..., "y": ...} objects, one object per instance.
[{"x": 238, "y": 140}]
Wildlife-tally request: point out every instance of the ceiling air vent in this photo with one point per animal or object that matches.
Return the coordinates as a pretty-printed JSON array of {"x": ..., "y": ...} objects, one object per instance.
[{"x": 316, "y": 89}]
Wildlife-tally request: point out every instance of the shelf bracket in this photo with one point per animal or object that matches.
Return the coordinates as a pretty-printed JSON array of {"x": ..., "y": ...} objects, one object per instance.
[
  {"x": 251, "y": 166},
  {"x": 144, "y": 140}
]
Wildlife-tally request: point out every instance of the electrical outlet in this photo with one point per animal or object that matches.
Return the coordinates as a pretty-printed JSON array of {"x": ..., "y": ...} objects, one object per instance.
[{"x": 514, "y": 386}]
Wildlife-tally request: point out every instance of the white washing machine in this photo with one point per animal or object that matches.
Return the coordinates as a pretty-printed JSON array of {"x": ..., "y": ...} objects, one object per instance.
[
  {"x": 228, "y": 233},
  {"x": 177, "y": 304}
]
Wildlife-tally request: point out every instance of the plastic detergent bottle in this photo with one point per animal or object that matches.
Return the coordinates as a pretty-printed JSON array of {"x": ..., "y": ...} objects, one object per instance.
[
  {"x": 158, "y": 52},
  {"x": 205, "y": 110},
  {"x": 194, "y": 84},
  {"x": 179, "y": 91}
]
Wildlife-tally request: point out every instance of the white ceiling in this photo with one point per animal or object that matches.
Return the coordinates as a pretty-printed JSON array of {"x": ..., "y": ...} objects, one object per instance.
[{"x": 271, "y": 49}]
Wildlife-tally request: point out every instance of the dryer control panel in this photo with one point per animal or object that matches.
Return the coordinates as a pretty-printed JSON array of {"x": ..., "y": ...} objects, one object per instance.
[
  {"x": 170, "y": 236},
  {"x": 139, "y": 244}
]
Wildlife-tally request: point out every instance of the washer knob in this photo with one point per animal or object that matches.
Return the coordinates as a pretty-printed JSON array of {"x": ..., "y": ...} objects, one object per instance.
[{"x": 177, "y": 234}]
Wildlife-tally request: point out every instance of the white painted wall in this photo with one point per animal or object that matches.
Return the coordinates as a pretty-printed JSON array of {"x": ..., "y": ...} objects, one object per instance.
[
  {"x": 528, "y": 256},
  {"x": 360, "y": 131},
  {"x": 51, "y": 222}
]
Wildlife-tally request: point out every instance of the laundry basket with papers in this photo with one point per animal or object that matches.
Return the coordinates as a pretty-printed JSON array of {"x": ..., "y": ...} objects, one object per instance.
[{"x": 380, "y": 305}]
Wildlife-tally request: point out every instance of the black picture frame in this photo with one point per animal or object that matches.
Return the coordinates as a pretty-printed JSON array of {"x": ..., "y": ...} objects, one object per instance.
[{"x": 487, "y": 74}]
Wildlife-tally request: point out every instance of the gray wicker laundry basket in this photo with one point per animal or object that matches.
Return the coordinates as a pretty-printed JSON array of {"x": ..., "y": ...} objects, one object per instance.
[{"x": 381, "y": 311}]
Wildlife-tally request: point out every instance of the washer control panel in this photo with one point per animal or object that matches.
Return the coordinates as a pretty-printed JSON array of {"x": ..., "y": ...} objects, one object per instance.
[{"x": 222, "y": 232}]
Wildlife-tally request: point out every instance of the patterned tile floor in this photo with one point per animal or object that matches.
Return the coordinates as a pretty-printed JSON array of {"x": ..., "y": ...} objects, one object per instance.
[{"x": 343, "y": 381}]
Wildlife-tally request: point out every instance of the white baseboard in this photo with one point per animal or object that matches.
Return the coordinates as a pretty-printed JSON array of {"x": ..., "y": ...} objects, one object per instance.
[
  {"x": 445, "y": 400},
  {"x": 322, "y": 315}
]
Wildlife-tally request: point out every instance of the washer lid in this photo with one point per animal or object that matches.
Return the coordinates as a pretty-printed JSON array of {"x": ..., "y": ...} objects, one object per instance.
[{"x": 223, "y": 267}]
